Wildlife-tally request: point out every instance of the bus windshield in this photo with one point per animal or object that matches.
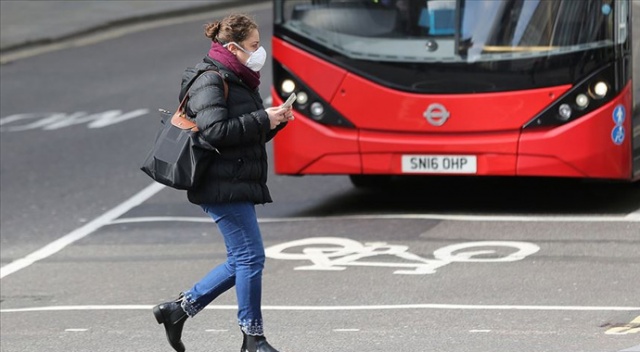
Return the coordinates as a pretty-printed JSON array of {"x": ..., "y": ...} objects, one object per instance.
[{"x": 450, "y": 30}]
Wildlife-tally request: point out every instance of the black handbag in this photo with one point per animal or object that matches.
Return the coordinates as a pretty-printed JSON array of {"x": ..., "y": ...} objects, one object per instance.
[{"x": 179, "y": 157}]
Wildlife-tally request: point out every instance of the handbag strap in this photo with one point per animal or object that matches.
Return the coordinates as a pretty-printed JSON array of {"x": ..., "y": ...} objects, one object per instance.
[
  {"x": 179, "y": 118},
  {"x": 186, "y": 94}
]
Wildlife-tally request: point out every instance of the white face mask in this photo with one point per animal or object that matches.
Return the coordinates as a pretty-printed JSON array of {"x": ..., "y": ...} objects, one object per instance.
[{"x": 256, "y": 58}]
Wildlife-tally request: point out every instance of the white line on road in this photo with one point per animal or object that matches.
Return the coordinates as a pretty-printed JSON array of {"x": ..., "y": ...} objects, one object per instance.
[
  {"x": 346, "y": 330},
  {"x": 635, "y": 216},
  {"x": 76, "y": 330},
  {"x": 505, "y": 218},
  {"x": 81, "y": 232},
  {"x": 161, "y": 219},
  {"x": 340, "y": 308}
]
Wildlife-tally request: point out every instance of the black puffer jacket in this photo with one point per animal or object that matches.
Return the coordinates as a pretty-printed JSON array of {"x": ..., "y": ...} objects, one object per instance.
[{"x": 238, "y": 127}]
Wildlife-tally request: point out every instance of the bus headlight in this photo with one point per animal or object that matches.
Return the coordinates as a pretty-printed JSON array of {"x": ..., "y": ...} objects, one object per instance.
[
  {"x": 600, "y": 89},
  {"x": 321, "y": 111},
  {"x": 565, "y": 112},
  {"x": 582, "y": 101},
  {"x": 302, "y": 98},
  {"x": 317, "y": 110},
  {"x": 585, "y": 97},
  {"x": 288, "y": 86}
]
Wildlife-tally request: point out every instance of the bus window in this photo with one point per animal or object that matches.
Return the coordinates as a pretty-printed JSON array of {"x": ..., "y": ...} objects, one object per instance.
[
  {"x": 395, "y": 30},
  {"x": 549, "y": 27}
]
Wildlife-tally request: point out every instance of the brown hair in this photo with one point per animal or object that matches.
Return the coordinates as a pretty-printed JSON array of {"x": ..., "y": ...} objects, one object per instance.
[{"x": 233, "y": 28}]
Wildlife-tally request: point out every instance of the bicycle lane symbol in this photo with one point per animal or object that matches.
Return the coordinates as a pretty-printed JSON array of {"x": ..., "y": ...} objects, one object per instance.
[{"x": 335, "y": 254}]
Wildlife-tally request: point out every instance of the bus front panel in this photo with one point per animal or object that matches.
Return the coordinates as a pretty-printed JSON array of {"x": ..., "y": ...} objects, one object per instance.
[{"x": 397, "y": 87}]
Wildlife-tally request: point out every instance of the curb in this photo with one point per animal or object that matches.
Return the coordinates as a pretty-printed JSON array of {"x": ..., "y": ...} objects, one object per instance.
[{"x": 30, "y": 44}]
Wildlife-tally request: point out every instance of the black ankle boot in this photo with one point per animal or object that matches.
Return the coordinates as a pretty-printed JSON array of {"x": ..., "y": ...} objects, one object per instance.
[
  {"x": 173, "y": 317},
  {"x": 255, "y": 344}
]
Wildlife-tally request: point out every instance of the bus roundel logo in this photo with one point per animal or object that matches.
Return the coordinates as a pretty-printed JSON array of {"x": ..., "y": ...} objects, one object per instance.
[{"x": 436, "y": 114}]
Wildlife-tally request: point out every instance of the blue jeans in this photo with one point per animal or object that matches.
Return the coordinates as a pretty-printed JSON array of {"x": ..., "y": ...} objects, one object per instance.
[{"x": 245, "y": 260}]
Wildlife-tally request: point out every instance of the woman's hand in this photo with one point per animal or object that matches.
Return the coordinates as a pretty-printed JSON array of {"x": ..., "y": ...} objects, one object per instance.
[{"x": 278, "y": 115}]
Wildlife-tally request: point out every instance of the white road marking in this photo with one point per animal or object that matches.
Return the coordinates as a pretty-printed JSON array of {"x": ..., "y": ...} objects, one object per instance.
[
  {"x": 346, "y": 330},
  {"x": 635, "y": 216},
  {"x": 336, "y": 253},
  {"x": 486, "y": 218},
  {"x": 339, "y": 308},
  {"x": 631, "y": 328},
  {"x": 54, "y": 121},
  {"x": 74, "y": 308},
  {"x": 474, "y": 331},
  {"x": 161, "y": 219},
  {"x": 622, "y": 330},
  {"x": 76, "y": 330},
  {"x": 81, "y": 232},
  {"x": 216, "y": 330}
]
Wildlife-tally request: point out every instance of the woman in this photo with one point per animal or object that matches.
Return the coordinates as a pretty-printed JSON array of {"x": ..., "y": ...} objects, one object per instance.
[{"x": 231, "y": 117}]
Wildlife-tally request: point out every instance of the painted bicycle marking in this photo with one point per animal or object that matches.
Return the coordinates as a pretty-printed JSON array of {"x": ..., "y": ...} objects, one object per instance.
[{"x": 335, "y": 254}]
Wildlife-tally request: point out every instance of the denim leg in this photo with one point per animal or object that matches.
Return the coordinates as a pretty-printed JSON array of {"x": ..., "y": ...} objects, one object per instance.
[
  {"x": 212, "y": 285},
  {"x": 245, "y": 260},
  {"x": 250, "y": 258}
]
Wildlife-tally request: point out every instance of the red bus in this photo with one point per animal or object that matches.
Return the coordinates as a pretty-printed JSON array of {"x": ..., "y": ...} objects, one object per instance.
[{"x": 543, "y": 88}]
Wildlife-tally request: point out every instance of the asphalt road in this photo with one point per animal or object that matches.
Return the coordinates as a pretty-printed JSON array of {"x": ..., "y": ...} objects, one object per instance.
[{"x": 348, "y": 269}]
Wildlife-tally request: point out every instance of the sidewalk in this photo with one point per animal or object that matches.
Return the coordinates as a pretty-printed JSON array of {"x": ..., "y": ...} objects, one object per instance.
[{"x": 26, "y": 23}]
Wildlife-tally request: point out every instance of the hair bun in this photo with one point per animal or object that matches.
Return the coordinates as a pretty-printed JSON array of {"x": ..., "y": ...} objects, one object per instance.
[
  {"x": 211, "y": 30},
  {"x": 233, "y": 28}
]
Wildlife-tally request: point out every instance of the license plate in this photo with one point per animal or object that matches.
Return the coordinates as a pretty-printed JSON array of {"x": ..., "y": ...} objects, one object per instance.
[{"x": 439, "y": 164}]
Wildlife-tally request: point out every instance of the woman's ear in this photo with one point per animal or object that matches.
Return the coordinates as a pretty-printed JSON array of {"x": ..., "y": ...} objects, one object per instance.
[{"x": 232, "y": 48}]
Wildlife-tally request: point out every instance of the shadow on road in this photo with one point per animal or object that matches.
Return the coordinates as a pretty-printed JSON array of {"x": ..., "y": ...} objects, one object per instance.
[{"x": 484, "y": 196}]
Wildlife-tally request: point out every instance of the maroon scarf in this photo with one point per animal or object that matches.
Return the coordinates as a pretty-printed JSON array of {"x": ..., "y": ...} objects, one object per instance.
[{"x": 225, "y": 57}]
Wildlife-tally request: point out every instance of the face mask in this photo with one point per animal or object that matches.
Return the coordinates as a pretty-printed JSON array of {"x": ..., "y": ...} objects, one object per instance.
[{"x": 256, "y": 58}]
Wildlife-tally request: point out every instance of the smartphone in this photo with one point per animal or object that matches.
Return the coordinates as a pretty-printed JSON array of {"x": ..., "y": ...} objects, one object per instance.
[{"x": 289, "y": 101}]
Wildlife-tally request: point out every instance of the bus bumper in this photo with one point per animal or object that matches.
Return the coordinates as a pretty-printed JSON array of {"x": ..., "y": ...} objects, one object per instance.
[{"x": 584, "y": 148}]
